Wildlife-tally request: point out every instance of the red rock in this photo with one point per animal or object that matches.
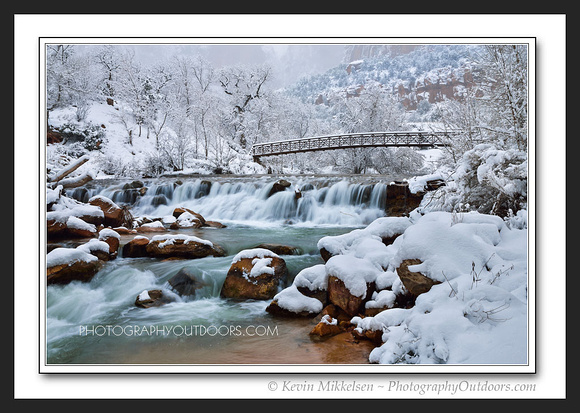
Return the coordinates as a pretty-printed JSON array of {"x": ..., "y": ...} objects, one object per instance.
[
  {"x": 327, "y": 326},
  {"x": 179, "y": 246},
  {"x": 340, "y": 296},
  {"x": 76, "y": 271},
  {"x": 238, "y": 284},
  {"x": 137, "y": 247},
  {"x": 415, "y": 282},
  {"x": 153, "y": 298},
  {"x": 115, "y": 216}
]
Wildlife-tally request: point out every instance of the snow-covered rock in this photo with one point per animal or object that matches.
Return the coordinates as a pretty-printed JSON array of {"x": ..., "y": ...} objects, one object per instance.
[
  {"x": 64, "y": 265},
  {"x": 254, "y": 274},
  {"x": 468, "y": 306}
]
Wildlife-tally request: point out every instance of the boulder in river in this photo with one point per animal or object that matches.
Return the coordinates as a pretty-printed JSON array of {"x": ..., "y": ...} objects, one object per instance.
[
  {"x": 185, "y": 283},
  {"x": 281, "y": 249},
  {"x": 254, "y": 274},
  {"x": 115, "y": 216},
  {"x": 70, "y": 227},
  {"x": 64, "y": 265},
  {"x": 137, "y": 247},
  {"x": 182, "y": 246},
  {"x": 279, "y": 186},
  {"x": 152, "y": 298}
]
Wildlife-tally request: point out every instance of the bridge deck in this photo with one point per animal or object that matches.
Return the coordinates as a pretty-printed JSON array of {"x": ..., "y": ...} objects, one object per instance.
[{"x": 352, "y": 140}]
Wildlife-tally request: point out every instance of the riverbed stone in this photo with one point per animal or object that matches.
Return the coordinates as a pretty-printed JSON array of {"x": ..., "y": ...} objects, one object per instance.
[
  {"x": 76, "y": 271},
  {"x": 327, "y": 326},
  {"x": 115, "y": 216},
  {"x": 185, "y": 283},
  {"x": 152, "y": 298},
  {"x": 183, "y": 248},
  {"x": 135, "y": 248},
  {"x": 279, "y": 186},
  {"x": 280, "y": 249},
  {"x": 240, "y": 285}
]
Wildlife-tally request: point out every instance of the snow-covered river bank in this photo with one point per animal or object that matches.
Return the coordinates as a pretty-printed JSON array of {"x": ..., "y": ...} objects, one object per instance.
[{"x": 475, "y": 313}]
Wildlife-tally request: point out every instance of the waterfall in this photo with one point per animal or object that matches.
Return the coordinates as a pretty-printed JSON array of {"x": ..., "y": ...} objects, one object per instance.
[{"x": 308, "y": 201}]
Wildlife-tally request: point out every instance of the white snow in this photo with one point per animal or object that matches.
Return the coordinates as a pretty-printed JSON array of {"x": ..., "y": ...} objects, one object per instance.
[
  {"x": 380, "y": 299},
  {"x": 59, "y": 256},
  {"x": 476, "y": 315},
  {"x": 261, "y": 266},
  {"x": 94, "y": 245},
  {"x": 328, "y": 320},
  {"x": 253, "y": 253},
  {"x": 77, "y": 223},
  {"x": 187, "y": 219},
  {"x": 381, "y": 227},
  {"x": 154, "y": 224},
  {"x": 293, "y": 300},
  {"x": 108, "y": 233},
  {"x": 314, "y": 278},
  {"x": 104, "y": 199},
  {"x": 354, "y": 272},
  {"x": 169, "y": 239},
  {"x": 52, "y": 195},
  {"x": 80, "y": 210},
  {"x": 144, "y": 296}
]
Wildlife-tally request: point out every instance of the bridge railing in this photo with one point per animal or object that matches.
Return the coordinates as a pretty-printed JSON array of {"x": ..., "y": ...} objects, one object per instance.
[{"x": 352, "y": 140}]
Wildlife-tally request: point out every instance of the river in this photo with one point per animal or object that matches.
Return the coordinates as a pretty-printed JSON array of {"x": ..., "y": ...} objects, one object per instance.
[{"x": 98, "y": 323}]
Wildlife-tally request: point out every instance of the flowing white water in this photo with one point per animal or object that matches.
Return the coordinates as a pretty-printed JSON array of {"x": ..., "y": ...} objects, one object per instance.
[
  {"x": 95, "y": 322},
  {"x": 248, "y": 201}
]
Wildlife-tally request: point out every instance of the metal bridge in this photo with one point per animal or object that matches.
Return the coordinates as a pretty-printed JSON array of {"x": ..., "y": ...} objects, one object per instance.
[{"x": 420, "y": 139}]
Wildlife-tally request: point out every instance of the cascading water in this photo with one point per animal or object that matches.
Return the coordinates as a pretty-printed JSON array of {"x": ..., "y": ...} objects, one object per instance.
[
  {"x": 254, "y": 213},
  {"x": 246, "y": 201}
]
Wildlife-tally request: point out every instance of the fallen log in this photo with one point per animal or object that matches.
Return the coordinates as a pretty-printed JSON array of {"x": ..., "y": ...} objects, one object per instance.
[
  {"x": 76, "y": 181},
  {"x": 70, "y": 168}
]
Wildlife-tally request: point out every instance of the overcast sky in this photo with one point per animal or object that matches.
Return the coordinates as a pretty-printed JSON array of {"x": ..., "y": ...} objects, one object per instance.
[{"x": 289, "y": 61}]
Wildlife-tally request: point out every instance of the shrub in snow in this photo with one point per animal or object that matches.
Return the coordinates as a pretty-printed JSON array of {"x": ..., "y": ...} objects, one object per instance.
[
  {"x": 477, "y": 314},
  {"x": 488, "y": 180},
  {"x": 474, "y": 311}
]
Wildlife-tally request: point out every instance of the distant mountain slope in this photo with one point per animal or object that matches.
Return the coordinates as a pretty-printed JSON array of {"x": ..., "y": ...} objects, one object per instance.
[{"x": 413, "y": 73}]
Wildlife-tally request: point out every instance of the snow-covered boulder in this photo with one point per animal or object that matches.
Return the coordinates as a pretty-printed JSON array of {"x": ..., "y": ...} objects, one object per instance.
[
  {"x": 153, "y": 298},
  {"x": 68, "y": 226},
  {"x": 292, "y": 303},
  {"x": 384, "y": 230},
  {"x": 136, "y": 248},
  {"x": 477, "y": 313},
  {"x": 351, "y": 282},
  {"x": 64, "y": 265},
  {"x": 182, "y": 246},
  {"x": 112, "y": 238},
  {"x": 305, "y": 297},
  {"x": 327, "y": 326},
  {"x": 155, "y": 226},
  {"x": 114, "y": 215},
  {"x": 254, "y": 274}
]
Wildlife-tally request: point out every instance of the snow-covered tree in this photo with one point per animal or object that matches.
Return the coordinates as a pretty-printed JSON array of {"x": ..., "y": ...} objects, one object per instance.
[
  {"x": 489, "y": 159},
  {"x": 246, "y": 90}
]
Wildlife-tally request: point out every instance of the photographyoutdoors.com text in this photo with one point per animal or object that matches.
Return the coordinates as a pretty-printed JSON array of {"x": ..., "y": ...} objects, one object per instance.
[{"x": 190, "y": 330}]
